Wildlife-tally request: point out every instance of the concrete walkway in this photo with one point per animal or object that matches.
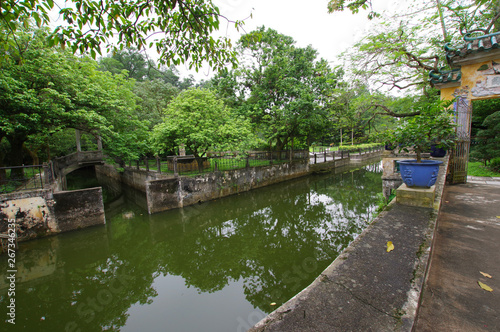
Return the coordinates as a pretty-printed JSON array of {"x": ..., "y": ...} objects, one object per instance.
[{"x": 467, "y": 242}]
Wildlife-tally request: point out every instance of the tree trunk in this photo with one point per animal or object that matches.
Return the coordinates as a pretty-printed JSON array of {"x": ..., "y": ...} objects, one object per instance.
[
  {"x": 16, "y": 156},
  {"x": 279, "y": 147},
  {"x": 33, "y": 154},
  {"x": 3, "y": 172}
]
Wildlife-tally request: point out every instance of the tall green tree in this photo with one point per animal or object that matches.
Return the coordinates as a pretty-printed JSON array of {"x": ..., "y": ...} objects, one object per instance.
[
  {"x": 155, "y": 95},
  {"x": 488, "y": 139},
  {"x": 199, "y": 120},
  {"x": 48, "y": 89},
  {"x": 129, "y": 59},
  {"x": 285, "y": 86}
]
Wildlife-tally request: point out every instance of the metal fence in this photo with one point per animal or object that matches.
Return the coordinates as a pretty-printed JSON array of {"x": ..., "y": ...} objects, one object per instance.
[
  {"x": 345, "y": 153},
  {"x": 16, "y": 178},
  {"x": 189, "y": 165}
]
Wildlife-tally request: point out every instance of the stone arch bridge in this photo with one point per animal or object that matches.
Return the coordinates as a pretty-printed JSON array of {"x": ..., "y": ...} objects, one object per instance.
[{"x": 62, "y": 166}]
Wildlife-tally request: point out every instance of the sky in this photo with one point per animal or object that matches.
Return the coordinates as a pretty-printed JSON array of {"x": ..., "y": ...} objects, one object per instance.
[{"x": 307, "y": 22}]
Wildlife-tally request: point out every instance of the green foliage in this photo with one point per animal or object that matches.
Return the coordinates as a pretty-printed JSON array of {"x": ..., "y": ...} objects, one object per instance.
[
  {"x": 180, "y": 30},
  {"x": 432, "y": 126},
  {"x": 200, "y": 121},
  {"x": 359, "y": 146},
  {"x": 284, "y": 87},
  {"x": 353, "y": 5},
  {"x": 488, "y": 139},
  {"x": 495, "y": 166},
  {"x": 482, "y": 109},
  {"x": 398, "y": 53},
  {"x": 383, "y": 201},
  {"x": 154, "y": 96},
  {"x": 49, "y": 89}
]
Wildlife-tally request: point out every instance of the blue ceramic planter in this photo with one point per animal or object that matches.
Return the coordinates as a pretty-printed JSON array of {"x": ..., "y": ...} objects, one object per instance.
[{"x": 422, "y": 174}]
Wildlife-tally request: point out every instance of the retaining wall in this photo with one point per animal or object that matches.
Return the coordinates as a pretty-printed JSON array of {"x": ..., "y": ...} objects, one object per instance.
[
  {"x": 39, "y": 213},
  {"x": 131, "y": 176},
  {"x": 172, "y": 193}
]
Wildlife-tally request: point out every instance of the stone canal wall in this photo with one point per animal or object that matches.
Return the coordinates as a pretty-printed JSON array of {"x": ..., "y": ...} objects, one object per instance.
[
  {"x": 177, "y": 192},
  {"x": 132, "y": 177},
  {"x": 39, "y": 213}
]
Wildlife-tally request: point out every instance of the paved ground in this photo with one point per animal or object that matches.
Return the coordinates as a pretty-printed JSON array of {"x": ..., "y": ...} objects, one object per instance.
[{"x": 467, "y": 242}]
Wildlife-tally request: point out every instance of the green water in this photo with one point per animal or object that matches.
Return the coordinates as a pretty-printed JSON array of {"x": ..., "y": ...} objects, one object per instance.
[{"x": 216, "y": 266}]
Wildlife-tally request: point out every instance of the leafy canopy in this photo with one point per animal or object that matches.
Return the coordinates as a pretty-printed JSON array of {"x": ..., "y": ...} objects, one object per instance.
[
  {"x": 398, "y": 52},
  {"x": 433, "y": 125},
  {"x": 50, "y": 89},
  {"x": 180, "y": 30},
  {"x": 200, "y": 121},
  {"x": 488, "y": 139},
  {"x": 285, "y": 86}
]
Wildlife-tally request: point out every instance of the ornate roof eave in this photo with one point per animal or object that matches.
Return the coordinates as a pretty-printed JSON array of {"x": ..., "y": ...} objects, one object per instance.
[
  {"x": 445, "y": 78},
  {"x": 475, "y": 50}
]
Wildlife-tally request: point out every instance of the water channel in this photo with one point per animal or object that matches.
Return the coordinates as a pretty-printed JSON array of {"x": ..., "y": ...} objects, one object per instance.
[{"x": 216, "y": 266}]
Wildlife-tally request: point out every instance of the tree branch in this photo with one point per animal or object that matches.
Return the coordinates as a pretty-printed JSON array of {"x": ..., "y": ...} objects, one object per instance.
[{"x": 387, "y": 111}]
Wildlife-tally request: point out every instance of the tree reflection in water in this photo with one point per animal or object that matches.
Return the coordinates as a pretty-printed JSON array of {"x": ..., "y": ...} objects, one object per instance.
[{"x": 273, "y": 241}]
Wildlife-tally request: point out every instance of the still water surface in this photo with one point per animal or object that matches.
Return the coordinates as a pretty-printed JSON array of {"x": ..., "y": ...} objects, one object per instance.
[{"x": 217, "y": 266}]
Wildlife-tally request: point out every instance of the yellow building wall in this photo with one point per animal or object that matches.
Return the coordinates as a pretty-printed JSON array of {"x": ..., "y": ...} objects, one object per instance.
[{"x": 479, "y": 81}]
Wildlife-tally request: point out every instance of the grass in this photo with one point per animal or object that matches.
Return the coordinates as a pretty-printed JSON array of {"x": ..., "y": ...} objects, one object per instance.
[
  {"x": 476, "y": 168},
  {"x": 319, "y": 148}
]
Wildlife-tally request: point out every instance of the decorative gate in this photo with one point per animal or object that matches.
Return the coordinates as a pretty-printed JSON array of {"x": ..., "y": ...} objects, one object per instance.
[{"x": 460, "y": 156}]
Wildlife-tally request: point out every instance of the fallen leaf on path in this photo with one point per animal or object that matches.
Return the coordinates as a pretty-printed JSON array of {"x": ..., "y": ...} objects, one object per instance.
[
  {"x": 486, "y": 275},
  {"x": 390, "y": 246},
  {"x": 484, "y": 286}
]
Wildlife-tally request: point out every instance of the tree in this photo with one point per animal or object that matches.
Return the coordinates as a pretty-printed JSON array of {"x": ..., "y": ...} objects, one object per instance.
[
  {"x": 285, "y": 86},
  {"x": 434, "y": 125},
  {"x": 49, "y": 89},
  {"x": 399, "y": 53},
  {"x": 130, "y": 60},
  {"x": 155, "y": 96},
  {"x": 488, "y": 139},
  {"x": 200, "y": 121},
  {"x": 179, "y": 29}
]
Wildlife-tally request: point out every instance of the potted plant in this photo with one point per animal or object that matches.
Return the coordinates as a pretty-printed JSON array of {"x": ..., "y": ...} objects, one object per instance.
[{"x": 433, "y": 125}]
